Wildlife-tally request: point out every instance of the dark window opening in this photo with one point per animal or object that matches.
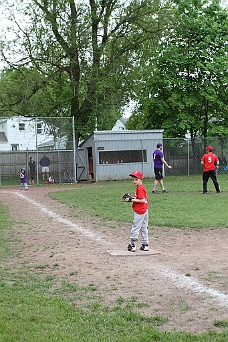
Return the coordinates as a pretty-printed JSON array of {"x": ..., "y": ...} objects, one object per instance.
[
  {"x": 123, "y": 156},
  {"x": 39, "y": 128},
  {"x": 15, "y": 147},
  {"x": 21, "y": 126}
]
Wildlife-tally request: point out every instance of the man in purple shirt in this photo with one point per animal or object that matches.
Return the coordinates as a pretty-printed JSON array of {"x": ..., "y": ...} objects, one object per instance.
[{"x": 158, "y": 159}]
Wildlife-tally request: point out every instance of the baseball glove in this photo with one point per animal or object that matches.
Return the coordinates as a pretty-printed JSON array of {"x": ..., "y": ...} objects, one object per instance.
[{"x": 127, "y": 198}]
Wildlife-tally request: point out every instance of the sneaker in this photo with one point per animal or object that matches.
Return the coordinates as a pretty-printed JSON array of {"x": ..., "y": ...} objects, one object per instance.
[
  {"x": 164, "y": 191},
  {"x": 154, "y": 192},
  {"x": 144, "y": 248},
  {"x": 131, "y": 248},
  {"x": 205, "y": 192}
]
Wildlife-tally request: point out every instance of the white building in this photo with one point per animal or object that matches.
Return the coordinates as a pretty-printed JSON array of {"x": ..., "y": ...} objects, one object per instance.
[
  {"x": 23, "y": 133},
  {"x": 113, "y": 155},
  {"x": 120, "y": 125}
]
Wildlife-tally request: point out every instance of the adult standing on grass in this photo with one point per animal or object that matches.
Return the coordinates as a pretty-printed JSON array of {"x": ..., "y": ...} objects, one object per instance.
[
  {"x": 159, "y": 160},
  {"x": 45, "y": 163},
  {"x": 32, "y": 167},
  {"x": 209, "y": 160}
]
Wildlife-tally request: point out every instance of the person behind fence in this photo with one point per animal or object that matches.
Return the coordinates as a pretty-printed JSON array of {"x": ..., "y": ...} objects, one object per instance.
[
  {"x": 23, "y": 179},
  {"x": 45, "y": 163},
  {"x": 158, "y": 159},
  {"x": 209, "y": 160},
  {"x": 217, "y": 168},
  {"x": 51, "y": 179},
  {"x": 32, "y": 167},
  {"x": 140, "y": 207}
]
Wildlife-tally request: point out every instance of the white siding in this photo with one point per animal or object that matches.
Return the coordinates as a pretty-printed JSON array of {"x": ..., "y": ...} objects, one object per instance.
[
  {"x": 120, "y": 141},
  {"x": 25, "y": 139}
]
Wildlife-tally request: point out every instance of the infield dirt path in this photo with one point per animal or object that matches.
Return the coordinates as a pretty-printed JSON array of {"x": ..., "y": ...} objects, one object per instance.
[{"x": 184, "y": 277}]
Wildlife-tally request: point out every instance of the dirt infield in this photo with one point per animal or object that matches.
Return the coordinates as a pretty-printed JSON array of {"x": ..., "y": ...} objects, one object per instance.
[{"x": 183, "y": 278}]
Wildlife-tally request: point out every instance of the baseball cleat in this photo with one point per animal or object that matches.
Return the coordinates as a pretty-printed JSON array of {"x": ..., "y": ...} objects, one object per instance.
[
  {"x": 131, "y": 248},
  {"x": 144, "y": 247}
]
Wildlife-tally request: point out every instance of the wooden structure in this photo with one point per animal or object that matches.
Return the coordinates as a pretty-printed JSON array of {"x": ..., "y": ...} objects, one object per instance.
[{"x": 113, "y": 155}]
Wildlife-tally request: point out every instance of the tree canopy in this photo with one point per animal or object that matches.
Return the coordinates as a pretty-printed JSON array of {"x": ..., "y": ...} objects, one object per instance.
[
  {"x": 83, "y": 57},
  {"x": 185, "y": 84},
  {"x": 88, "y": 58}
]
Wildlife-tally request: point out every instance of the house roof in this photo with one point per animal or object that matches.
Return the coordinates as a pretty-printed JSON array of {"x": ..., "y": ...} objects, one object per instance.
[
  {"x": 120, "y": 132},
  {"x": 47, "y": 143},
  {"x": 120, "y": 124}
]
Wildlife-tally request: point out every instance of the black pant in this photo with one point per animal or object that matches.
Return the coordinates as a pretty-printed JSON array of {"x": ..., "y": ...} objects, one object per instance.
[{"x": 210, "y": 174}]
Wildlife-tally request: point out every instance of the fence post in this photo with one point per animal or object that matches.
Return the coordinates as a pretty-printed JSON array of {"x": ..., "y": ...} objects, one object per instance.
[
  {"x": 0, "y": 170},
  {"x": 37, "y": 156},
  {"x": 188, "y": 158},
  {"x": 74, "y": 148}
]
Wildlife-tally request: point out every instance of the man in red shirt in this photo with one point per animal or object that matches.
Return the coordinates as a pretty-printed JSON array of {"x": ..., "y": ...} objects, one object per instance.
[{"x": 209, "y": 161}]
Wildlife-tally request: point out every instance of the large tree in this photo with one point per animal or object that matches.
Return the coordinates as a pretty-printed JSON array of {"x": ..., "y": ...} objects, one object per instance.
[
  {"x": 25, "y": 91},
  {"x": 186, "y": 83},
  {"x": 94, "y": 46}
]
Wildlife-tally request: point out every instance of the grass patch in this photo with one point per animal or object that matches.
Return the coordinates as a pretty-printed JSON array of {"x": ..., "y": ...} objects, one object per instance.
[
  {"x": 183, "y": 206},
  {"x": 32, "y": 311},
  {"x": 221, "y": 324},
  {"x": 31, "y": 315}
]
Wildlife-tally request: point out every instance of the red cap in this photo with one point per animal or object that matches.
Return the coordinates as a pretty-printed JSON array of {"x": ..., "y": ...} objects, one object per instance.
[
  {"x": 137, "y": 174},
  {"x": 209, "y": 148}
]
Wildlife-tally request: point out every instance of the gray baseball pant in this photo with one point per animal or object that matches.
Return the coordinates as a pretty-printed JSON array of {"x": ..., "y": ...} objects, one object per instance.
[{"x": 140, "y": 224}]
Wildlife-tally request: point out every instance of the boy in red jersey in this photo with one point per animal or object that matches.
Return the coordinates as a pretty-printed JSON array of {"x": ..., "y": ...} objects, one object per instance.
[
  {"x": 140, "y": 207},
  {"x": 209, "y": 160}
]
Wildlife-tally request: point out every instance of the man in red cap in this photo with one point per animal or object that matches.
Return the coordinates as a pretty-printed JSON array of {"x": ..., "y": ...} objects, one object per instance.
[
  {"x": 140, "y": 207},
  {"x": 209, "y": 161}
]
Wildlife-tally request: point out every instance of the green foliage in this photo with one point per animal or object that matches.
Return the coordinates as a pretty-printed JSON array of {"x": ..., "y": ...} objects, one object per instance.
[
  {"x": 85, "y": 52},
  {"x": 28, "y": 92},
  {"x": 186, "y": 83}
]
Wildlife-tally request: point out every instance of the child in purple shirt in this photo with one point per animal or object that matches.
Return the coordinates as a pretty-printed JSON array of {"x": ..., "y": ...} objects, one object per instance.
[{"x": 23, "y": 179}]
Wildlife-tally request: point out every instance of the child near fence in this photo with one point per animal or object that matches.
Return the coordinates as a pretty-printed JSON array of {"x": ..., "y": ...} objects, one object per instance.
[
  {"x": 51, "y": 180},
  {"x": 23, "y": 179}
]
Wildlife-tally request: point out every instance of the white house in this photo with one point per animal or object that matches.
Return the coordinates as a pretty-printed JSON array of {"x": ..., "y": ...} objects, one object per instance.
[
  {"x": 120, "y": 124},
  {"x": 23, "y": 133}
]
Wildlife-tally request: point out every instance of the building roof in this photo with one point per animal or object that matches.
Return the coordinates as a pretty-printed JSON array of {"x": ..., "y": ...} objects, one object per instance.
[{"x": 126, "y": 132}]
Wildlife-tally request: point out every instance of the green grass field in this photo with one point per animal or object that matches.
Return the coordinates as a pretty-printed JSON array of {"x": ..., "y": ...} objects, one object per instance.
[
  {"x": 183, "y": 206},
  {"x": 30, "y": 312}
]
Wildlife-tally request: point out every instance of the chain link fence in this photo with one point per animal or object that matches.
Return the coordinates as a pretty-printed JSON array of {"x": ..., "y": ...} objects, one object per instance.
[
  {"x": 185, "y": 154},
  {"x": 24, "y": 137}
]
